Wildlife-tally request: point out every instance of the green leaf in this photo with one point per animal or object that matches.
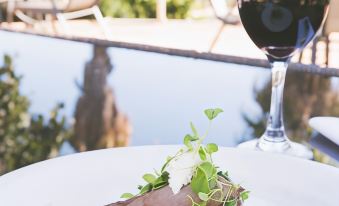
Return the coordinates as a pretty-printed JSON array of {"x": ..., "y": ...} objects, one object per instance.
[
  {"x": 146, "y": 188},
  {"x": 165, "y": 176},
  {"x": 202, "y": 153},
  {"x": 187, "y": 141},
  {"x": 199, "y": 182},
  {"x": 213, "y": 113},
  {"x": 211, "y": 148},
  {"x": 203, "y": 196},
  {"x": 231, "y": 202},
  {"x": 194, "y": 130},
  {"x": 244, "y": 195},
  {"x": 127, "y": 196},
  {"x": 149, "y": 178},
  {"x": 209, "y": 169},
  {"x": 161, "y": 181},
  {"x": 160, "y": 185}
]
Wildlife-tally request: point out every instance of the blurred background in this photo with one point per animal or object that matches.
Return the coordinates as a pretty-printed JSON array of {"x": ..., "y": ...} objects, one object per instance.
[{"x": 59, "y": 97}]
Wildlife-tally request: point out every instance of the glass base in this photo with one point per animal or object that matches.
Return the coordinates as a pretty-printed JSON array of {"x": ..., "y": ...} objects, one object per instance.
[{"x": 284, "y": 147}]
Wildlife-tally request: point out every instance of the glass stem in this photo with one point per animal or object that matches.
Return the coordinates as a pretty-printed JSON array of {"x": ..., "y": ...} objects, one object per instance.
[
  {"x": 274, "y": 137},
  {"x": 275, "y": 125}
]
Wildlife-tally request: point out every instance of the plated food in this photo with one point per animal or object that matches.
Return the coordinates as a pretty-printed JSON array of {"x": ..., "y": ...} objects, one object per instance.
[{"x": 189, "y": 178}]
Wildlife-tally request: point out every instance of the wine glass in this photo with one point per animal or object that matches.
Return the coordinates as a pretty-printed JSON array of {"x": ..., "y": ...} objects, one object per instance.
[{"x": 280, "y": 28}]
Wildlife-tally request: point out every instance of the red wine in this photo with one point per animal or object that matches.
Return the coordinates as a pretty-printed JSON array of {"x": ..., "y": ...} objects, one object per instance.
[{"x": 280, "y": 27}]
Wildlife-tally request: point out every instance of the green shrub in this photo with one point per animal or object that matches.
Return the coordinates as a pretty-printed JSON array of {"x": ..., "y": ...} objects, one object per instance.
[
  {"x": 144, "y": 8},
  {"x": 25, "y": 138},
  {"x": 178, "y": 9}
]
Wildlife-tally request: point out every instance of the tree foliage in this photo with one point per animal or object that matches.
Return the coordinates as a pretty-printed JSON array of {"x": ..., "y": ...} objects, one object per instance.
[
  {"x": 177, "y": 9},
  {"x": 25, "y": 138}
]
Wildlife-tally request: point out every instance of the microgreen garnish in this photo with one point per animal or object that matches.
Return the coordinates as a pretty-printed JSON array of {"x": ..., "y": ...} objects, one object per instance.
[
  {"x": 127, "y": 195},
  {"x": 203, "y": 176},
  {"x": 213, "y": 113}
]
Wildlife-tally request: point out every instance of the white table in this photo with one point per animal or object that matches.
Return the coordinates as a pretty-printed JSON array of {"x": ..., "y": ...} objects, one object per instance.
[
  {"x": 328, "y": 126},
  {"x": 100, "y": 177},
  {"x": 327, "y": 141}
]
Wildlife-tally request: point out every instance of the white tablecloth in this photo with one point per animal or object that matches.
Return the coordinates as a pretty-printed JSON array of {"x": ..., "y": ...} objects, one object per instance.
[{"x": 100, "y": 177}]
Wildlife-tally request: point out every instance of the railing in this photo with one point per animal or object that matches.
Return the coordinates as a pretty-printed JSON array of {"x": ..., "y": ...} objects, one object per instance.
[{"x": 314, "y": 69}]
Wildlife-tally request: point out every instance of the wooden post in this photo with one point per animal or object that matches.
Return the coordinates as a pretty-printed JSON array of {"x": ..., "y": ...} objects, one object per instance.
[{"x": 161, "y": 10}]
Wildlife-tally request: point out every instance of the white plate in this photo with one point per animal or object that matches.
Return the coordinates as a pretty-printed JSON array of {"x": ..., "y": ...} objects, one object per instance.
[
  {"x": 327, "y": 126},
  {"x": 100, "y": 177}
]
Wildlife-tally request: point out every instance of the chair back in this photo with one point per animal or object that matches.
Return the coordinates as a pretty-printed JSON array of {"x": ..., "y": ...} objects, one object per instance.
[
  {"x": 39, "y": 5},
  {"x": 76, "y": 5},
  {"x": 332, "y": 22},
  {"x": 222, "y": 8}
]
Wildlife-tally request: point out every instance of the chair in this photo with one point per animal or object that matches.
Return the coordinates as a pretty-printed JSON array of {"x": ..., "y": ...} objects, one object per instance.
[
  {"x": 61, "y": 10},
  {"x": 223, "y": 11},
  {"x": 331, "y": 25}
]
